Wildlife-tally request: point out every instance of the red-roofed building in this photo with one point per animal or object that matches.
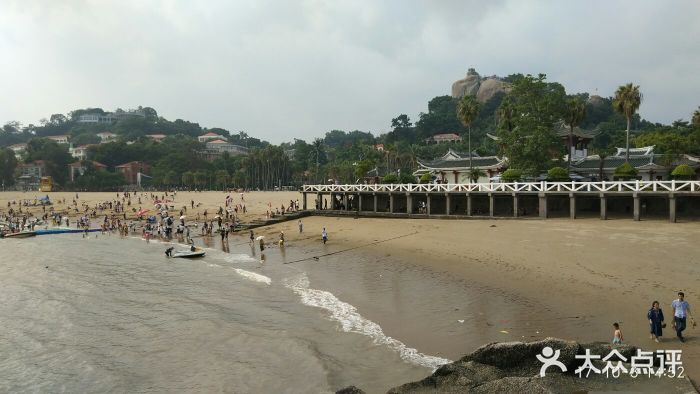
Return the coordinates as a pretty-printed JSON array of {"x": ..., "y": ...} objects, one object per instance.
[
  {"x": 78, "y": 168},
  {"x": 131, "y": 170}
]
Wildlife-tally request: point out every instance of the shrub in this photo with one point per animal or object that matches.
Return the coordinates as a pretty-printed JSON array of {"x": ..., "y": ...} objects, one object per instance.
[
  {"x": 390, "y": 178},
  {"x": 626, "y": 171},
  {"x": 475, "y": 174},
  {"x": 407, "y": 178},
  {"x": 683, "y": 171},
  {"x": 557, "y": 174},
  {"x": 511, "y": 175},
  {"x": 425, "y": 178}
]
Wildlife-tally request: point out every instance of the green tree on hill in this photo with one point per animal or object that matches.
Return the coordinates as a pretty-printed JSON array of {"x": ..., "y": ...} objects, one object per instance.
[
  {"x": 535, "y": 106},
  {"x": 8, "y": 163}
]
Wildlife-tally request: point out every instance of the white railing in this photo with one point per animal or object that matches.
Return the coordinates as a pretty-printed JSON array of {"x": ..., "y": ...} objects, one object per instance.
[{"x": 578, "y": 187}]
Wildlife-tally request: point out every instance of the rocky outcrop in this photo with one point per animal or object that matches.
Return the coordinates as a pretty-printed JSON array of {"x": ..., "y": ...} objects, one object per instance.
[
  {"x": 350, "y": 390},
  {"x": 481, "y": 88},
  {"x": 467, "y": 86},
  {"x": 490, "y": 87},
  {"x": 513, "y": 367}
]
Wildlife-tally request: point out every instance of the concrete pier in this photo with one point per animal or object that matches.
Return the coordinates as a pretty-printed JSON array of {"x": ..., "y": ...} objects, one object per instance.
[{"x": 635, "y": 200}]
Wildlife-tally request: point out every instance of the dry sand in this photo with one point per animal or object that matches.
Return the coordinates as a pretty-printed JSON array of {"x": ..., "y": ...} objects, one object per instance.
[{"x": 590, "y": 272}]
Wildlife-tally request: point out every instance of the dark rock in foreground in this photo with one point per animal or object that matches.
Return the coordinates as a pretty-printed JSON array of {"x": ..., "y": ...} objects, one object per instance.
[{"x": 513, "y": 367}]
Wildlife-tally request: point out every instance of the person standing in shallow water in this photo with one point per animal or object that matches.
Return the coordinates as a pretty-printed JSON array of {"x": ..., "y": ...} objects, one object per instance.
[
  {"x": 681, "y": 311},
  {"x": 656, "y": 321}
]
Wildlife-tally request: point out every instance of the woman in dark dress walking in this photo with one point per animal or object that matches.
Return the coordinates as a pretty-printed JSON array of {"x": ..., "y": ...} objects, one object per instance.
[{"x": 656, "y": 321}]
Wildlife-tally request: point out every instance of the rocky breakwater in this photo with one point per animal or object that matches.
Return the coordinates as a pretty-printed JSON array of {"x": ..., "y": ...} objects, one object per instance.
[{"x": 514, "y": 367}]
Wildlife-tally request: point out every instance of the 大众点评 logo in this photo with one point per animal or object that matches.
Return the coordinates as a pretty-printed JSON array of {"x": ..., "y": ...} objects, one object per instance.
[{"x": 669, "y": 363}]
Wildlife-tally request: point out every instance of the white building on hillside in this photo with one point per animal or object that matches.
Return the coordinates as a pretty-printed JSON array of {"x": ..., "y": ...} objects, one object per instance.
[
  {"x": 61, "y": 139},
  {"x": 106, "y": 137},
  {"x": 210, "y": 136}
]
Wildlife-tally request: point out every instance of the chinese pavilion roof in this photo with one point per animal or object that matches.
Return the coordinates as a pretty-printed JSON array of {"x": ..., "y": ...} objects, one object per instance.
[{"x": 455, "y": 160}]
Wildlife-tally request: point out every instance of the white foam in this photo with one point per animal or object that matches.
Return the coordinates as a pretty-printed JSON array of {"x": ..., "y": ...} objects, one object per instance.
[
  {"x": 351, "y": 321},
  {"x": 240, "y": 258},
  {"x": 253, "y": 276}
]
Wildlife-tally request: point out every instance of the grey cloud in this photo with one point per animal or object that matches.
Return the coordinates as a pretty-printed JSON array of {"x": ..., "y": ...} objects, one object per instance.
[{"x": 283, "y": 69}]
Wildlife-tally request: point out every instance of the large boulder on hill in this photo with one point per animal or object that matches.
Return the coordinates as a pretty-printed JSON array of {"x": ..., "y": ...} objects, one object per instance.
[
  {"x": 469, "y": 85},
  {"x": 489, "y": 87}
]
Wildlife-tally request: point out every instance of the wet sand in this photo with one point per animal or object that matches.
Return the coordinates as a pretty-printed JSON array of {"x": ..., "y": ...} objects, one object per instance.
[{"x": 569, "y": 279}]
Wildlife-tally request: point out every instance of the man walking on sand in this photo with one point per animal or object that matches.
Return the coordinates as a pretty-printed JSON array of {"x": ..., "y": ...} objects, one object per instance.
[{"x": 681, "y": 310}]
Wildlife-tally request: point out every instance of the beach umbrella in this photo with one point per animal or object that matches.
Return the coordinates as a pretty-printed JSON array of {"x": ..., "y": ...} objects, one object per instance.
[{"x": 259, "y": 237}]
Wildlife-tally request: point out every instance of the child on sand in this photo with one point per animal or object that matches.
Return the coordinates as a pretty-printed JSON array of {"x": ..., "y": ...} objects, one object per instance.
[{"x": 617, "y": 335}]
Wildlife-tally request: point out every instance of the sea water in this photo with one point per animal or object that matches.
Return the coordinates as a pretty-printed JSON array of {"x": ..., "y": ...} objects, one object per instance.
[{"x": 108, "y": 314}]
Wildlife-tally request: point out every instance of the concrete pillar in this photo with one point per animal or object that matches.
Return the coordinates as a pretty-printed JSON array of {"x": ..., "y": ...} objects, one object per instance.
[
  {"x": 492, "y": 203},
  {"x": 672, "y": 208},
  {"x": 515, "y": 205},
  {"x": 572, "y": 206},
  {"x": 469, "y": 204},
  {"x": 374, "y": 195},
  {"x": 304, "y": 200},
  {"x": 603, "y": 207},
  {"x": 635, "y": 207},
  {"x": 427, "y": 203},
  {"x": 409, "y": 203},
  {"x": 543, "y": 205},
  {"x": 346, "y": 201},
  {"x": 447, "y": 204},
  {"x": 391, "y": 203},
  {"x": 359, "y": 202},
  {"x": 319, "y": 198}
]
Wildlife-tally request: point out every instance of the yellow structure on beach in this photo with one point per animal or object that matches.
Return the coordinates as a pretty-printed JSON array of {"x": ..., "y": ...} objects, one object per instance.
[{"x": 46, "y": 184}]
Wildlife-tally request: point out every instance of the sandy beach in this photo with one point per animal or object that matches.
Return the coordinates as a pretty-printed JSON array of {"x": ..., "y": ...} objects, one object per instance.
[
  {"x": 562, "y": 278},
  {"x": 569, "y": 279}
]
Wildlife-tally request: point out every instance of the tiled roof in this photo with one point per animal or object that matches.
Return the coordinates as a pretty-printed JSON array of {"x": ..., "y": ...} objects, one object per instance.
[
  {"x": 455, "y": 160},
  {"x": 562, "y": 130},
  {"x": 638, "y": 161}
]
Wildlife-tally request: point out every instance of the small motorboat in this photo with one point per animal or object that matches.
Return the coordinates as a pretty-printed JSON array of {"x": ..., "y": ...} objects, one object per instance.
[
  {"x": 21, "y": 234},
  {"x": 189, "y": 254}
]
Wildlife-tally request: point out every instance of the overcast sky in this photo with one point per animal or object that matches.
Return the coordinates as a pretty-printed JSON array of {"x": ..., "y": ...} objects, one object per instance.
[{"x": 283, "y": 69}]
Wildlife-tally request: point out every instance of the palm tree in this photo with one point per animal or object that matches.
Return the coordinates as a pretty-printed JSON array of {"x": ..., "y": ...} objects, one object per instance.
[
  {"x": 575, "y": 112},
  {"x": 317, "y": 148},
  {"x": 505, "y": 114},
  {"x": 627, "y": 100},
  {"x": 696, "y": 117},
  {"x": 467, "y": 111}
]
